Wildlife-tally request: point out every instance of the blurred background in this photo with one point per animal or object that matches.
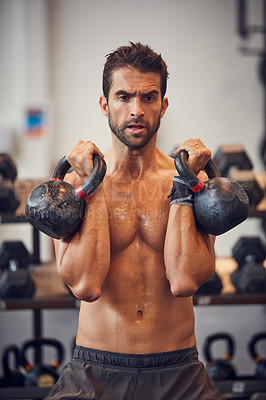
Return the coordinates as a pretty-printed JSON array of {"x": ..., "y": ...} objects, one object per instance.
[{"x": 52, "y": 54}]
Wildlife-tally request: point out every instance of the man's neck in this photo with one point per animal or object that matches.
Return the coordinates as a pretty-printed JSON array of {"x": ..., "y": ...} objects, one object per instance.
[{"x": 131, "y": 162}]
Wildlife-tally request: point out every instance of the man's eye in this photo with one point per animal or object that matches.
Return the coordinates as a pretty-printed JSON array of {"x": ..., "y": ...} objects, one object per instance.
[
  {"x": 149, "y": 99},
  {"x": 123, "y": 97}
]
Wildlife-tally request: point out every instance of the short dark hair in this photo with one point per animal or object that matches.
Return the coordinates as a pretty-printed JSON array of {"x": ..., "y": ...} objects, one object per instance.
[{"x": 138, "y": 56}]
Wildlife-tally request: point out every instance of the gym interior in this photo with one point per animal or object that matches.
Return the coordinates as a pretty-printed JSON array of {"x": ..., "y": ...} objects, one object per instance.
[{"x": 52, "y": 54}]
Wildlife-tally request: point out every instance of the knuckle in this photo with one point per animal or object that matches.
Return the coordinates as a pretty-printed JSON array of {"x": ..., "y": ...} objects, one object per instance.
[
  {"x": 69, "y": 155},
  {"x": 90, "y": 145},
  {"x": 208, "y": 152}
]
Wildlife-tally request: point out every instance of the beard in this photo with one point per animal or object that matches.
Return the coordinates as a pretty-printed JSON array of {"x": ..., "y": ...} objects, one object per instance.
[{"x": 119, "y": 131}]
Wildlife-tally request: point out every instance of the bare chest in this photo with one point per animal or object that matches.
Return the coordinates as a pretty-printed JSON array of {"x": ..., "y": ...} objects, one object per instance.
[{"x": 137, "y": 210}]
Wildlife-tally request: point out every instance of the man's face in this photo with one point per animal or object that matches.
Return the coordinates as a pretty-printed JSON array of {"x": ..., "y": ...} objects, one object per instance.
[{"x": 134, "y": 106}]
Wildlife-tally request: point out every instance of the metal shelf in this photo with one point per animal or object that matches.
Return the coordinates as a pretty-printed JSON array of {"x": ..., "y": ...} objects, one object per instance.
[
  {"x": 12, "y": 219},
  {"x": 40, "y": 303},
  {"x": 17, "y": 393},
  {"x": 229, "y": 299},
  {"x": 242, "y": 386},
  {"x": 71, "y": 302}
]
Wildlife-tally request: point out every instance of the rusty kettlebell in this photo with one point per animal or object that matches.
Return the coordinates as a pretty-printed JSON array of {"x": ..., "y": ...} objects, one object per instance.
[
  {"x": 55, "y": 207},
  {"x": 220, "y": 204}
]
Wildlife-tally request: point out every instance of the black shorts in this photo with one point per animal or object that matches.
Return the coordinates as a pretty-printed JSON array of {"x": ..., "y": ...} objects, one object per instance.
[{"x": 95, "y": 374}]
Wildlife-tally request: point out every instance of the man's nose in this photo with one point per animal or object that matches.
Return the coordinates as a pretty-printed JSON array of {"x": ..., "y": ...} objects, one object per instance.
[{"x": 136, "y": 108}]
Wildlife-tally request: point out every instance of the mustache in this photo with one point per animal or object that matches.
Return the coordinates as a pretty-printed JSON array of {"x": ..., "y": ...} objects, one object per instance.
[{"x": 134, "y": 121}]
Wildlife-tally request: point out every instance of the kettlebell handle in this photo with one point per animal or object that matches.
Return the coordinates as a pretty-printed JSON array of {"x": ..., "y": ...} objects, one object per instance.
[
  {"x": 37, "y": 343},
  {"x": 15, "y": 350},
  {"x": 184, "y": 170},
  {"x": 252, "y": 345},
  {"x": 94, "y": 180},
  {"x": 213, "y": 338}
]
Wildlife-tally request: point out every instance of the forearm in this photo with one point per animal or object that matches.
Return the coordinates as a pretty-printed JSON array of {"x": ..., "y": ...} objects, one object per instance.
[
  {"x": 83, "y": 260},
  {"x": 188, "y": 252}
]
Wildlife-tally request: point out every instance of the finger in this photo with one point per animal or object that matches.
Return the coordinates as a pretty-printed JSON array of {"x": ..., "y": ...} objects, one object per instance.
[
  {"x": 189, "y": 145},
  {"x": 198, "y": 154},
  {"x": 84, "y": 150},
  {"x": 88, "y": 148},
  {"x": 94, "y": 148},
  {"x": 80, "y": 157}
]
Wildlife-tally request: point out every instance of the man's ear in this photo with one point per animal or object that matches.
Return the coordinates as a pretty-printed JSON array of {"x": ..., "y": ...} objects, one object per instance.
[
  {"x": 165, "y": 104},
  {"x": 104, "y": 105}
]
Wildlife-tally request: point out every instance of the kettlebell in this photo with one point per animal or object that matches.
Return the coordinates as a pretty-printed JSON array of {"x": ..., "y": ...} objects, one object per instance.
[
  {"x": 220, "y": 368},
  {"x": 12, "y": 374},
  {"x": 41, "y": 375},
  {"x": 55, "y": 207},
  {"x": 260, "y": 372},
  {"x": 220, "y": 204}
]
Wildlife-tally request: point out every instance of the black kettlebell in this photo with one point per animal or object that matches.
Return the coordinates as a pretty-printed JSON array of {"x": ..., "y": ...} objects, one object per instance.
[
  {"x": 260, "y": 372},
  {"x": 12, "y": 374},
  {"x": 220, "y": 204},
  {"x": 55, "y": 207},
  {"x": 41, "y": 375},
  {"x": 220, "y": 368}
]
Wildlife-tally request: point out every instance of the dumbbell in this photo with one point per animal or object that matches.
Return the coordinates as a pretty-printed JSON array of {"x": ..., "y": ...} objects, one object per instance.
[
  {"x": 15, "y": 279},
  {"x": 41, "y": 375},
  {"x": 8, "y": 169},
  {"x": 250, "y": 276},
  {"x": 228, "y": 158},
  {"x": 250, "y": 184},
  {"x": 212, "y": 286},
  {"x": 9, "y": 201},
  {"x": 220, "y": 368},
  {"x": 12, "y": 374},
  {"x": 231, "y": 156},
  {"x": 233, "y": 162},
  {"x": 260, "y": 372}
]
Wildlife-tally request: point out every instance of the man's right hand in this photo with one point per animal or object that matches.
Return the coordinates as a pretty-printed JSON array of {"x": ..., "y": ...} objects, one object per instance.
[
  {"x": 198, "y": 154},
  {"x": 80, "y": 157}
]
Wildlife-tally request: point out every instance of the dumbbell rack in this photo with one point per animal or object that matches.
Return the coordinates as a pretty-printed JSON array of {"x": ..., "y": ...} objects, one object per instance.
[
  {"x": 238, "y": 387},
  {"x": 36, "y": 306}
]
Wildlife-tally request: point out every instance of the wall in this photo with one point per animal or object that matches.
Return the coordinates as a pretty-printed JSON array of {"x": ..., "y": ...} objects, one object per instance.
[
  {"x": 53, "y": 53},
  {"x": 214, "y": 92}
]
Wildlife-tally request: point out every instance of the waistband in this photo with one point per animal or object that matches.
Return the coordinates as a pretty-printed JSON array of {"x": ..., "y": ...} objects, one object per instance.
[{"x": 107, "y": 358}]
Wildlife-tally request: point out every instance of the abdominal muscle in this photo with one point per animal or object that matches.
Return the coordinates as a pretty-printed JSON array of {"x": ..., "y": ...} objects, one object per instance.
[{"x": 136, "y": 313}]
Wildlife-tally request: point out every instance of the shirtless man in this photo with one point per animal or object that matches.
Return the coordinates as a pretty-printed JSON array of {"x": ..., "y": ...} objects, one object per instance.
[{"x": 138, "y": 257}]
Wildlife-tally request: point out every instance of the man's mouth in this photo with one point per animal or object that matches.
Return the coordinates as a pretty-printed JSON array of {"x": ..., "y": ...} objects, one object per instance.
[{"x": 136, "y": 128}]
